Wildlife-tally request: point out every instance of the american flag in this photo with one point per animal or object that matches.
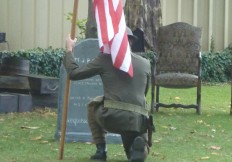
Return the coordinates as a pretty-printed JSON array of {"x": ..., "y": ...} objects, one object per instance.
[{"x": 111, "y": 27}]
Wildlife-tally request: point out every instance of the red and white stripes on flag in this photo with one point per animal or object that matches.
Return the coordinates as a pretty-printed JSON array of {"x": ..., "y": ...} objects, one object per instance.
[{"x": 111, "y": 27}]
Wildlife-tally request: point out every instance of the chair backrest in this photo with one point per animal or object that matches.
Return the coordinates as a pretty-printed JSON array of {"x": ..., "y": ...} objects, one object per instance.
[
  {"x": 178, "y": 48},
  {"x": 2, "y": 37}
]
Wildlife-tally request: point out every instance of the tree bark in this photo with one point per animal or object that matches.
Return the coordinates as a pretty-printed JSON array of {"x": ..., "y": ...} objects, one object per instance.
[
  {"x": 146, "y": 15},
  {"x": 91, "y": 29},
  {"x": 143, "y": 14}
]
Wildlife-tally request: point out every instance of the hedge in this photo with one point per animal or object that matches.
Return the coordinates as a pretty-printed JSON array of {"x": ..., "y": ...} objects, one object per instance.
[
  {"x": 215, "y": 65},
  {"x": 42, "y": 61}
]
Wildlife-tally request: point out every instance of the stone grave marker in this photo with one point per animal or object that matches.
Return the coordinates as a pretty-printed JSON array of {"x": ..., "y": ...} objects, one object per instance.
[{"x": 81, "y": 92}]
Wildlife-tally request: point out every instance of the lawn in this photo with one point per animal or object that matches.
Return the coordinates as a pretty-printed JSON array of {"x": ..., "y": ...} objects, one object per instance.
[{"x": 181, "y": 136}]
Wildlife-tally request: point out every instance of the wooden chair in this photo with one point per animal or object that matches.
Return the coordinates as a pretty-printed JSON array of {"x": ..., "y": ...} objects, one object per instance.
[
  {"x": 3, "y": 40},
  {"x": 178, "y": 63}
]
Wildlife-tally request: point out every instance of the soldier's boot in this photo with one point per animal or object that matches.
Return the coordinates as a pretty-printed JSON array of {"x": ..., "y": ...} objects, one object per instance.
[
  {"x": 137, "y": 152},
  {"x": 101, "y": 153}
]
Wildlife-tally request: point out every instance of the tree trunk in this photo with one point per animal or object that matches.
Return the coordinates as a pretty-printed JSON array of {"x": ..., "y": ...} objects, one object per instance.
[
  {"x": 143, "y": 14},
  {"x": 91, "y": 29},
  {"x": 146, "y": 15}
]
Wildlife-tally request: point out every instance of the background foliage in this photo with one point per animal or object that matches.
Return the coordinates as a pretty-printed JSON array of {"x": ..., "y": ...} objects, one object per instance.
[
  {"x": 81, "y": 25},
  {"x": 42, "y": 61},
  {"x": 216, "y": 66}
]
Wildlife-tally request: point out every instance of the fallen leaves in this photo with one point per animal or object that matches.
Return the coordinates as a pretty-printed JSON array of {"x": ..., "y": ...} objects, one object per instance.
[
  {"x": 156, "y": 141},
  {"x": 193, "y": 131},
  {"x": 213, "y": 153},
  {"x": 164, "y": 126},
  {"x": 215, "y": 148},
  {"x": 27, "y": 127},
  {"x": 177, "y": 98},
  {"x": 46, "y": 112},
  {"x": 199, "y": 121},
  {"x": 172, "y": 128},
  {"x": 205, "y": 158},
  {"x": 37, "y": 138},
  {"x": 44, "y": 142},
  {"x": 213, "y": 130},
  {"x": 203, "y": 123},
  {"x": 169, "y": 127},
  {"x": 155, "y": 154}
]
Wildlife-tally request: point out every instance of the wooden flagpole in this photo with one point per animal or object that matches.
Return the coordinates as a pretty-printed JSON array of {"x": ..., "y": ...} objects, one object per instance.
[{"x": 67, "y": 87}]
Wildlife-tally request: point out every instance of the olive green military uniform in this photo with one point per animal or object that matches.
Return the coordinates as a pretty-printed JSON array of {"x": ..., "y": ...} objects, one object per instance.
[{"x": 110, "y": 113}]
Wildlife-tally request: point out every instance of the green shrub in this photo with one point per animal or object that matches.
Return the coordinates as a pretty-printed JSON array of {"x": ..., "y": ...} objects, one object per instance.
[
  {"x": 42, "y": 61},
  {"x": 216, "y": 66},
  {"x": 150, "y": 55}
]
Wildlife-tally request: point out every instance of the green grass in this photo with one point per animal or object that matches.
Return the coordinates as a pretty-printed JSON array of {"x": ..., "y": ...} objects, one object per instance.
[{"x": 182, "y": 135}]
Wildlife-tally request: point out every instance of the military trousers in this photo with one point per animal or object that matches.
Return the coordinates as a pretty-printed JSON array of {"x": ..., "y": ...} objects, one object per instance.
[{"x": 99, "y": 132}]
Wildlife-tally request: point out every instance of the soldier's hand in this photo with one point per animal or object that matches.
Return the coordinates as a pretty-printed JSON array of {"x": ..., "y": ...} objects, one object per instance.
[{"x": 70, "y": 44}]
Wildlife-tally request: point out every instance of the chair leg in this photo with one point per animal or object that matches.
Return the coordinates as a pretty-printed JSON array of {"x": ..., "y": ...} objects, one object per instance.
[
  {"x": 231, "y": 98},
  {"x": 199, "y": 99},
  {"x": 8, "y": 46},
  {"x": 157, "y": 98},
  {"x": 152, "y": 98}
]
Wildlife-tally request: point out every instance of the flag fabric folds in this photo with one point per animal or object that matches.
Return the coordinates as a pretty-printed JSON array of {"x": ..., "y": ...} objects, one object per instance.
[{"x": 111, "y": 27}]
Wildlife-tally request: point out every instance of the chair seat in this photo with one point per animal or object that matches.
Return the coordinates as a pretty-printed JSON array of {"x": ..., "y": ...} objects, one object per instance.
[{"x": 176, "y": 80}]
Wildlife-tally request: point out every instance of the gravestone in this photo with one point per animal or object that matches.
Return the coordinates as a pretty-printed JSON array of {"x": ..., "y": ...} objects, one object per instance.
[
  {"x": 8, "y": 103},
  {"x": 81, "y": 92}
]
